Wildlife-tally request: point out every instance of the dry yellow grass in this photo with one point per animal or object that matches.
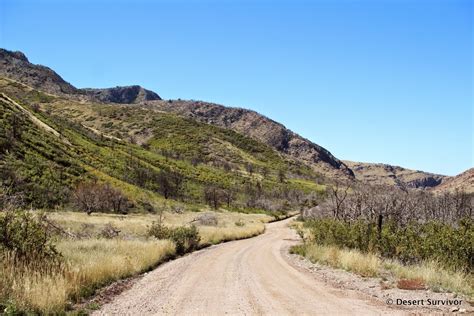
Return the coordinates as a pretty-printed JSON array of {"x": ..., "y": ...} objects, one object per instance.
[
  {"x": 136, "y": 225},
  {"x": 434, "y": 276},
  {"x": 92, "y": 262},
  {"x": 215, "y": 235},
  {"x": 431, "y": 273},
  {"x": 89, "y": 264},
  {"x": 350, "y": 260},
  {"x": 99, "y": 261}
]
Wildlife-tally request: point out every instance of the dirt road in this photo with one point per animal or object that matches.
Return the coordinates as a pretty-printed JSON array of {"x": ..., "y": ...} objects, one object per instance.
[{"x": 246, "y": 277}]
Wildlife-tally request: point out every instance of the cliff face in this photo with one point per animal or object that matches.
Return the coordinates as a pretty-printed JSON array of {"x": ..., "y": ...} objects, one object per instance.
[{"x": 257, "y": 126}]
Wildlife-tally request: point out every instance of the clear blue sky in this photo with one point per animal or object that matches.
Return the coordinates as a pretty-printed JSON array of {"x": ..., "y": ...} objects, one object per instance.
[{"x": 377, "y": 81}]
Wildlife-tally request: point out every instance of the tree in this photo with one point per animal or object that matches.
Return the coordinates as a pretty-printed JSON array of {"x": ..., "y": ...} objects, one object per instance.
[
  {"x": 281, "y": 176},
  {"x": 213, "y": 196},
  {"x": 228, "y": 196},
  {"x": 250, "y": 168},
  {"x": 86, "y": 197},
  {"x": 14, "y": 125},
  {"x": 170, "y": 184},
  {"x": 338, "y": 194},
  {"x": 117, "y": 202},
  {"x": 94, "y": 197}
]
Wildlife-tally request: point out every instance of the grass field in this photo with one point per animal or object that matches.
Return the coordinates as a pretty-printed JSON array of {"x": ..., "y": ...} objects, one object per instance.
[
  {"x": 92, "y": 261},
  {"x": 229, "y": 226},
  {"x": 89, "y": 264}
]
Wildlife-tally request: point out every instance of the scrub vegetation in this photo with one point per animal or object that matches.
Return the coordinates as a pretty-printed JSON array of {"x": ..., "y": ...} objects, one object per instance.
[{"x": 408, "y": 234}]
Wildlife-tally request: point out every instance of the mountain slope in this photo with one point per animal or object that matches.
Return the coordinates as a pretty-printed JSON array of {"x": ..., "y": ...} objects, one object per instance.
[
  {"x": 126, "y": 95},
  {"x": 133, "y": 148},
  {"x": 259, "y": 127},
  {"x": 15, "y": 65},
  {"x": 378, "y": 173},
  {"x": 295, "y": 148},
  {"x": 463, "y": 182}
]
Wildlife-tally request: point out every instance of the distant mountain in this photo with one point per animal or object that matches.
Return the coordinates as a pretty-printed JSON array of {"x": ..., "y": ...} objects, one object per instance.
[
  {"x": 378, "y": 173},
  {"x": 463, "y": 182}
]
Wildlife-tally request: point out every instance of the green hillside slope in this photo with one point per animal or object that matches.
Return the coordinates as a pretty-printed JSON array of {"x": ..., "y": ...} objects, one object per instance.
[{"x": 148, "y": 155}]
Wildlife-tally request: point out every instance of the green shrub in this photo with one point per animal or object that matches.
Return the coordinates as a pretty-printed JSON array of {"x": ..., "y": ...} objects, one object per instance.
[
  {"x": 25, "y": 236},
  {"x": 185, "y": 238},
  {"x": 451, "y": 246}
]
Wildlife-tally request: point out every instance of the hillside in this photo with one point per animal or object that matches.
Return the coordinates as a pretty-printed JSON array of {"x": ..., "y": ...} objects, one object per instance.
[
  {"x": 463, "y": 182},
  {"x": 17, "y": 67},
  {"x": 95, "y": 110},
  {"x": 378, "y": 173},
  {"x": 259, "y": 127},
  {"x": 132, "y": 148}
]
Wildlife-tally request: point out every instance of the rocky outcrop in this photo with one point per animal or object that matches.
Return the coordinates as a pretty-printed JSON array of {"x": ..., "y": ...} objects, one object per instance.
[
  {"x": 15, "y": 65},
  {"x": 429, "y": 181},
  {"x": 125, "y": 95},
  {"x": 262, "y": 128}
]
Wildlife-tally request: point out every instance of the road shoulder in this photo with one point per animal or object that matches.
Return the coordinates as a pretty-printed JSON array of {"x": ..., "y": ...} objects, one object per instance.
[{"x": 373, "y": 289}]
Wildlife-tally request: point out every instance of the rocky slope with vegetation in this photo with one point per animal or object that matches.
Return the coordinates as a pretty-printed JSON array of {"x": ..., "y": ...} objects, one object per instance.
[
  {"x": 127, "y": 95},
  {"x": 383, "y": 174},
  {"x": 257, "y": 126},
  {"x": 146, "y": 155},
  {"x": 17, "y": 67},
  {"x": 462, "y": 182}
]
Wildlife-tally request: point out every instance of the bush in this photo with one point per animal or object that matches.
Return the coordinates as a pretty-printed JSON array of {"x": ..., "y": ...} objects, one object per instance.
[
  {"x": 240, "y": 223},
  {"x": 451, "y": 246},
  {"x": 93, "y": 197},
  {"x": 109, "y": 231},
  {"x": 185, "y": 238},
  {"x": 207, "y": 219},
  {"x": 25, "y": 237}
]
